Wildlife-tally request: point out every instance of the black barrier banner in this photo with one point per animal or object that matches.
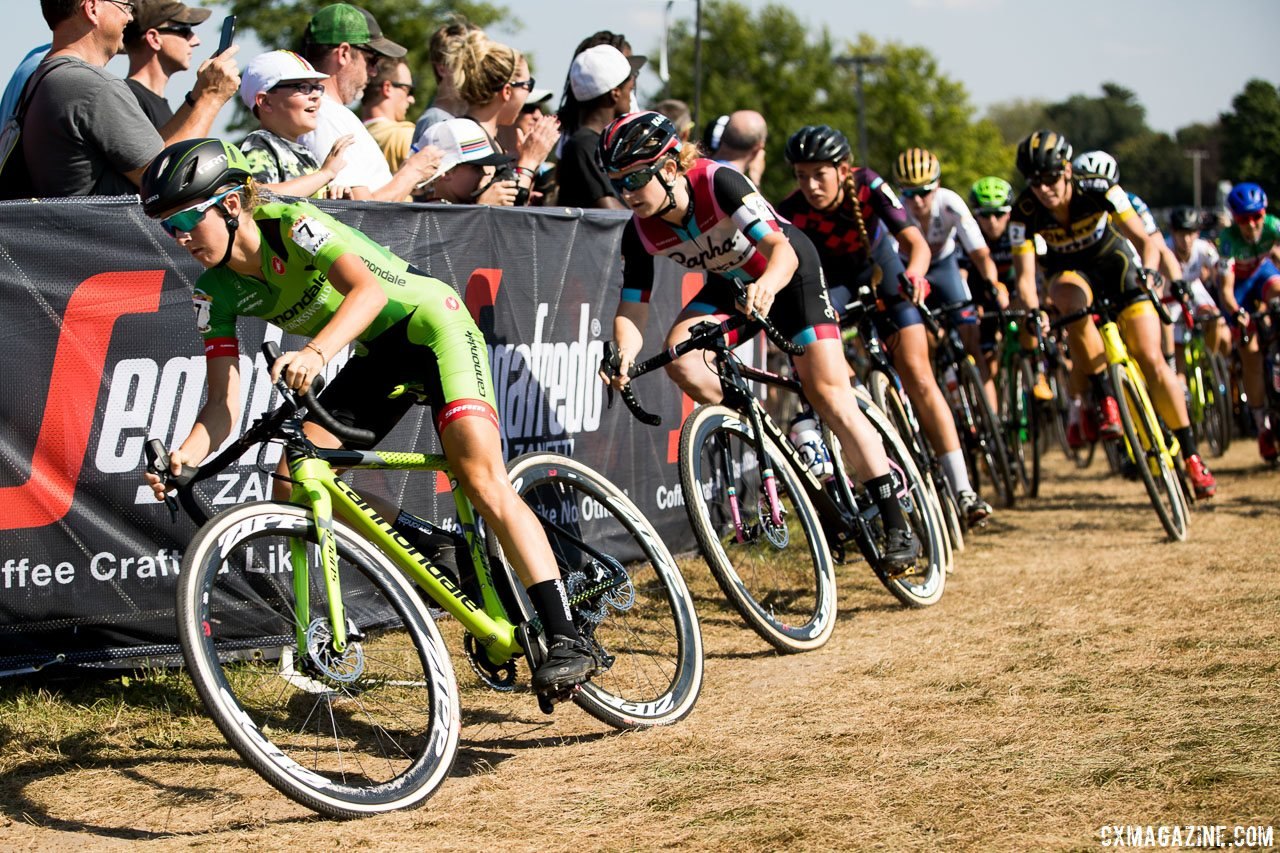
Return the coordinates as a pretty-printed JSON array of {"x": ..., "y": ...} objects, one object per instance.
[{"x": 98, "y": 353}]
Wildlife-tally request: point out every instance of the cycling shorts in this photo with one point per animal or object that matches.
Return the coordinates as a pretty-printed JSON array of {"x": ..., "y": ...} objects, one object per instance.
[
  {"x": 947, "y": 287},
  {"x": 1250, "y": 291},
  {"x": 1114, "y": 273},
  {"x": 802, "y": 310},
  {"x": 450, "y": 365}
]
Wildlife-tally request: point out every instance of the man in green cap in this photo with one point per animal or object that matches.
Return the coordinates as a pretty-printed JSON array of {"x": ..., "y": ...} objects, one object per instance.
[{"x": 345, "y": 42}]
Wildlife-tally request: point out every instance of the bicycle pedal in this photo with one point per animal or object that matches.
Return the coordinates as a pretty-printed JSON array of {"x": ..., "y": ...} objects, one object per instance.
[{"x": 547, "y": 701}]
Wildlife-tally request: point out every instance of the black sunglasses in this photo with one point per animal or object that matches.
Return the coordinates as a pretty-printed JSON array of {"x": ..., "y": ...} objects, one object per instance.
[
  {"x": 632, "y": 181},
  {"x": 185, "y": 31},
  {"x": 1045, "y": 179},
  {"x": 302, "y": 87},
  {"x": 408, "y": 87},
  {"x": 522, "y": 84}
]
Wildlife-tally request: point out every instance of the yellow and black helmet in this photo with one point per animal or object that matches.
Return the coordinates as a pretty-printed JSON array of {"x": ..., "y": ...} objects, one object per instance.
[
  {"x": 1042, "y": 152},
  {"x": 916, "y": 167}
]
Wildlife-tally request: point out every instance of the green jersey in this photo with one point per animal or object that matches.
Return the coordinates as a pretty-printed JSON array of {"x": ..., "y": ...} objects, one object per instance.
[
  {"x": 1243, "y": 258},
  {"x": 299, "y": 245}
]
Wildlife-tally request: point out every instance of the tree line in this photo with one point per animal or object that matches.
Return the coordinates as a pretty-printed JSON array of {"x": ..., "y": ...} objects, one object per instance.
[{"x": 775, "y": 63}]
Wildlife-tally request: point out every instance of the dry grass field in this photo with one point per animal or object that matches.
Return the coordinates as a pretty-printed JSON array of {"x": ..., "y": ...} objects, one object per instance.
[{"x": 1079, "y": 672}]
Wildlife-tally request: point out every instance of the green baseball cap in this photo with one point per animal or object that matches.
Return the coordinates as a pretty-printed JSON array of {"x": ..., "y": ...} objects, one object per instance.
[{"x": 342, "y": 22}]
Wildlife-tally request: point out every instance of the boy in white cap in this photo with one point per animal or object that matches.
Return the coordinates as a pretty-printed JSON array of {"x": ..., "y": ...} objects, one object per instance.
[
  {"x": 468, "y": 164},
  {"x": 283, "y": 91},
  {"x": 602, "y": 80}
]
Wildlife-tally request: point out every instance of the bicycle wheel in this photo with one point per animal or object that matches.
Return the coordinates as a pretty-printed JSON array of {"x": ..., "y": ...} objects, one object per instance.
[
  {"x": 1217, "y": 413},
  {"x": 982, "y": 438},
  {"x": 886, "y": 398},
  {"x": 370, "y": 729},
  {"x": 1142, "y": 434},
  {"x": 925, "y": 584},
  {"x": 776, "y": 571},
  {"x": 1027, "y": 439},
  {"x": 632, "y": 605}
]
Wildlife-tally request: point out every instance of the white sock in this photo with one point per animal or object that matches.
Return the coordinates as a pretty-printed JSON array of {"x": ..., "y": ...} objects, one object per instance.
[
  {"x": 955, "y": 472},
  {"x": 1259, "y": 417}
]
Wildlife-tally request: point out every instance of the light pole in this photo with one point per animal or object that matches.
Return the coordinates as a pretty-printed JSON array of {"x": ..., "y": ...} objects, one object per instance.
[
  {"x": 859, "y": 63},
  {"x": 1196, "y": 155}
]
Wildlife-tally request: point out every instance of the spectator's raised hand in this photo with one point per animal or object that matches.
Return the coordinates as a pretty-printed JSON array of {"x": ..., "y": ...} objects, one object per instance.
[
  {"x": 335, "y": 161},
  {"x": 422, "y": 164},
  {"x": 535, "y": 145},
  {"x": 218, "y": 77}
]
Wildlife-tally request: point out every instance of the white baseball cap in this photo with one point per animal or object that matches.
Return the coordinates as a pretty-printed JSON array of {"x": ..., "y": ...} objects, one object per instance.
[
  {"x": 461, "y": 140},
  {"x": 598, "y": 69},
  {"x": 266, "y": 71}
]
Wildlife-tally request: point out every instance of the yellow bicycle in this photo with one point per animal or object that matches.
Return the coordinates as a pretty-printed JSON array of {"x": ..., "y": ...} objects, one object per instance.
[{"x": 1150, "y": 446}]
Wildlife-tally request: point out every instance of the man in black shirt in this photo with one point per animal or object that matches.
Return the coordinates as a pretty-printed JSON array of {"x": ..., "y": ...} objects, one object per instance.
[{"x": 159, "y": 42}]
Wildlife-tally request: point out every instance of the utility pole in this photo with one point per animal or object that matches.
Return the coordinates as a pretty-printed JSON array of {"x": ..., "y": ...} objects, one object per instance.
[
  {"x": 859, "y": 63},
  {"x": 1196, "y": 155},
  {"x": 697, "y": 62}
]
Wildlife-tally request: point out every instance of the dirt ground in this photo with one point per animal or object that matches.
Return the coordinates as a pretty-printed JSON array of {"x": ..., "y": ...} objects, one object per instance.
[{"x": 1080, "y": 672}]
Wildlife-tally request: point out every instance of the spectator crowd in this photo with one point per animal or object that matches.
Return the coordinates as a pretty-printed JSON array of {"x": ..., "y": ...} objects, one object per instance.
[{"x": 335, "y": 118}]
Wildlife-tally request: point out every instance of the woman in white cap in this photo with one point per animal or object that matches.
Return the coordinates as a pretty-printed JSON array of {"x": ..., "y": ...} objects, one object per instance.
[
  {"x": 283, "y": 91},
  {"x": 601, "y": 80}
]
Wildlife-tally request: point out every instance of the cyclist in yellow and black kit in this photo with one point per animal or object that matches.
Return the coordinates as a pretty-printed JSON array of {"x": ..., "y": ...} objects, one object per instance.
[{"x": 1091, "y": 232}]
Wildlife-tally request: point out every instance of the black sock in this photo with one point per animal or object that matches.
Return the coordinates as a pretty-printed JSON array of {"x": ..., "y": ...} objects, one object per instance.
[
  {"x": 552, "y": 604},
  {"x": 882, "y": 490},
  {"x": 1100, "y": 383},
  {"x": 1187, "y": 440}
]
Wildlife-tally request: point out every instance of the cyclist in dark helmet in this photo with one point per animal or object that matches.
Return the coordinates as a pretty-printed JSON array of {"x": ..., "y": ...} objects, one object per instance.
[
  {"x": 265, "y": 257},
  {"x": 711, "y": 218},
  {"x": 852, "y": 216},
  {"x": 1091, "y": 231}
]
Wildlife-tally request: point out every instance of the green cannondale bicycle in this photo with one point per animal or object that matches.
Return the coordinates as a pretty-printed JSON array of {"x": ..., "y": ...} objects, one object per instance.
[{"x": 304, "y": 628}]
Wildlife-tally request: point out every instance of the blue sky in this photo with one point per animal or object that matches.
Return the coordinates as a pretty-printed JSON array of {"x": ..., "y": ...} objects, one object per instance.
[{"x": 1184, "y": 59}]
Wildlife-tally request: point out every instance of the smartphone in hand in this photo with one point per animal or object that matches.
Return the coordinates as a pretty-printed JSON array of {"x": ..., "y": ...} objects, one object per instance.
[{"x": 228, "y": 33}]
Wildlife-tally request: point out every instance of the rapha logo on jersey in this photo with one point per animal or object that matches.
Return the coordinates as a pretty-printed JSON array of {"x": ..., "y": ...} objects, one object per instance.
[
  {"x": 452, "y": 303},
  {"x": 277, "y": 266},
  {"x": 547, "y": 391}
]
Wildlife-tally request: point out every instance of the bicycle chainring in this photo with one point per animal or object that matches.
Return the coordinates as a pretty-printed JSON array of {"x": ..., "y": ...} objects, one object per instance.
[{"x": 499, "y": 677}]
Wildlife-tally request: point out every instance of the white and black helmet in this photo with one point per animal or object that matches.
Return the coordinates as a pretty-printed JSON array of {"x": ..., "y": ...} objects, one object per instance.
[{"x": 1096, "y": 165}]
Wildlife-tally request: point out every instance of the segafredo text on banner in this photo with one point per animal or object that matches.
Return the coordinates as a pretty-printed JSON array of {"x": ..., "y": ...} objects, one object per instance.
[{"x": 99, "y": 352}]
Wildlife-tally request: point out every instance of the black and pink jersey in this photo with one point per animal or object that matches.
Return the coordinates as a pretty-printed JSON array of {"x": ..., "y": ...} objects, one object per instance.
[{"x": 727, "y": 219}]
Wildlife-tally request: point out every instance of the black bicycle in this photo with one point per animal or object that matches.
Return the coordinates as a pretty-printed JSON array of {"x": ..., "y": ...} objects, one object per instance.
[
  {"x": 874, "y": 367},
  {"x": 769, "y": 529}
]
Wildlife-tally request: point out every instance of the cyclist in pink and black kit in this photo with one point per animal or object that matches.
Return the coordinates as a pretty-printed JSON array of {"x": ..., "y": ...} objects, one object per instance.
[
  {"x": 710, "y": 218},
  {"x": 856, "y": 246}
]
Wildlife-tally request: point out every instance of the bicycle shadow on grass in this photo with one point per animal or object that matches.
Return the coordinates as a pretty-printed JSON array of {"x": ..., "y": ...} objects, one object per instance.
[{"x": 85, "y": 752}]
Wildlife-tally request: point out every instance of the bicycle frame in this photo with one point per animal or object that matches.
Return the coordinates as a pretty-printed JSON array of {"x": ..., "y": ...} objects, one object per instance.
[
  {"x": 317, "y": 486},
  {"x": 1118, "y": 354}
]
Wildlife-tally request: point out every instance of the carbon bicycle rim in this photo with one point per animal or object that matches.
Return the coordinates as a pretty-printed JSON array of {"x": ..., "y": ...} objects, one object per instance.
[
  {"x": 1142, "y": 435},
  {"x": 986, "y": 440},
  {"x": 775, "y": 569},
  {"x": 885, "y": 395},
  {"x": 626, "y": 593},
  {"x": 353, "y": 732},
  {"x": 1217, "y": 413},
  {"x": 1029, "y": 418}
]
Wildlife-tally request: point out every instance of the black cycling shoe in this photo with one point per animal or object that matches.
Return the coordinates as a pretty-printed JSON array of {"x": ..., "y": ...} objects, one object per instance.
[
  {"x": 569, "y": 663},
  {"x": 975, "y": 509},
  {"x": 901, "y": 548}
]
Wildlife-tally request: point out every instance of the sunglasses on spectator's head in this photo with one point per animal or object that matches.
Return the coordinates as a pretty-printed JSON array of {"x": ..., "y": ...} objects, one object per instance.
[
  {"x": 1044, "y": 179},
  {"x": 185, "y": 31},
  {"x": 632, "y": 181},
  {"x": 993, "y": 212},
  {"x": 1256, "y": 216},
  {"x": 302, "y": 87},
  {"x": 919, "y": 192},
  {"x": 189, "y": 217}
]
